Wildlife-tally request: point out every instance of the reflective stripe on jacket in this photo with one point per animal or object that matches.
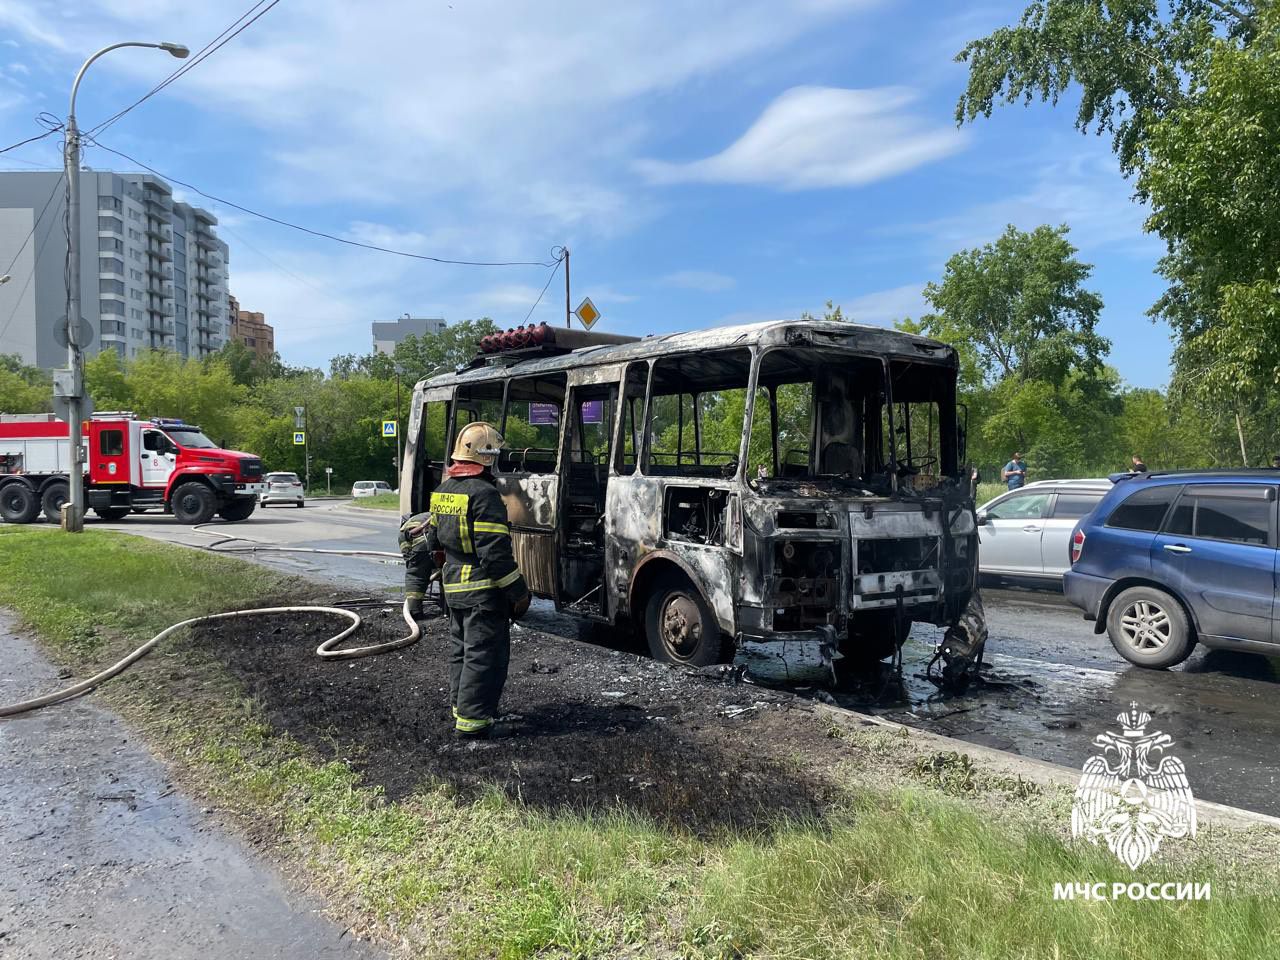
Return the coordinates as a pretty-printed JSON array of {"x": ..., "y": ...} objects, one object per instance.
[{"x": 469, "y": 523}]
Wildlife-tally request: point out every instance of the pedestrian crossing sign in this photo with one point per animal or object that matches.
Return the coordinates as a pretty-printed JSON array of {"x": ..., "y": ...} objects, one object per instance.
[
  {"x": 388, "y": 428},
  {"x": 299, "y": 438}
]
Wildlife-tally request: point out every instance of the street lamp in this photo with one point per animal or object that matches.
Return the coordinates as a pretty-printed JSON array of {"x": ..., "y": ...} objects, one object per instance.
[{"x": 75, "y": 358}]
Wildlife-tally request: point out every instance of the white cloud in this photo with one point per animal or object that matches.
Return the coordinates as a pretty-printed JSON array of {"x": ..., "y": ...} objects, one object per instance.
[
  {"x": 706, "y": 281},
  {"x": 882, "y": 307},
  {"x": 1081, "y": 189},
  {"x": 811, "y": 137}
]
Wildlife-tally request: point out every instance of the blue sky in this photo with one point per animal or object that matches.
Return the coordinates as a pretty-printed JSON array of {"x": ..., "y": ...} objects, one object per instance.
[{"x": 706, "y": 163}]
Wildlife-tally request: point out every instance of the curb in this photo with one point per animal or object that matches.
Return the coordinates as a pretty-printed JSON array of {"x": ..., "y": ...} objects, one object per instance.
[{"x": 1040, "y": 770}]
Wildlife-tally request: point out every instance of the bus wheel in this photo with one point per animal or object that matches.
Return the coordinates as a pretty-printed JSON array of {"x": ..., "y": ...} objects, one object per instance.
[
  {"x": 18, "y": 503},
  {"x": 238, "y": 509},
  {"x": 55, "y": 495},
  {"x": 194, "y": 503},
  {"x": 679, "y": 625}
]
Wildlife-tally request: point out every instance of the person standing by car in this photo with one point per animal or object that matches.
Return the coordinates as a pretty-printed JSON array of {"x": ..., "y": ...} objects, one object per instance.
[
  {"x": 1014, "y": 472},
  {"x": 1275, "y": 462},
  {"x": 482, "y": 584},
  {"x": 1139, "y": 465}
]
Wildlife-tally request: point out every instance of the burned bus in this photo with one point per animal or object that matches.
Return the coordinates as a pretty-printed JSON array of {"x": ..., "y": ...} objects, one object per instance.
[{"x": 777, "y": 493}]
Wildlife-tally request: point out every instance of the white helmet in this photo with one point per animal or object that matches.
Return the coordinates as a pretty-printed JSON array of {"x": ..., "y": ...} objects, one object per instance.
[{"x": 478, "y": 442}]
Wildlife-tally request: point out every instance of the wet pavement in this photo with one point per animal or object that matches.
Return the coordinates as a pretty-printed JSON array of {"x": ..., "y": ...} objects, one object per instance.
[
  {"x": 1051, "y": 685},
  {"x": 104, "y": 857}
]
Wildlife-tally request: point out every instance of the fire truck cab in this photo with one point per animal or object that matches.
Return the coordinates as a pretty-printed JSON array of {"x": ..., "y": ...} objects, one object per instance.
[{"x": 130, "y": 464}]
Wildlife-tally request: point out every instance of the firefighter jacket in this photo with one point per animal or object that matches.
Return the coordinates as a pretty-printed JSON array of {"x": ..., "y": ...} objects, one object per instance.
[{"x": 469, "y": 523}]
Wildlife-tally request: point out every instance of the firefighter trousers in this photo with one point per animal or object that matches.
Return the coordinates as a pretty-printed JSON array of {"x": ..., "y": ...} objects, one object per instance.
[{"x": 479, "y": 652}]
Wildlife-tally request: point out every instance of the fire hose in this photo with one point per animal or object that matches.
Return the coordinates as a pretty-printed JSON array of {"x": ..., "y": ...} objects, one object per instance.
[{"x": 325, "y": 650}]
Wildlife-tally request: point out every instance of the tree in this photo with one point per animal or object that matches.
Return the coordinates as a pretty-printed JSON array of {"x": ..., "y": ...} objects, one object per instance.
[
  {"x": 1210, "y": 176},
  {"x": 1021, "y": 306},
  {"x": 1031, "y": 361},
  {"x": 455, "y": 345},
  {"x": 1130, "y": 59},
  {"x": 23, "y": 388}
]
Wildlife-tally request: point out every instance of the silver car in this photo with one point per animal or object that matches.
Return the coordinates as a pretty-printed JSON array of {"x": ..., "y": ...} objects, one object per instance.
[
  {"x": 1026, "y": 533},
  {"x": 283, "y": 488}
]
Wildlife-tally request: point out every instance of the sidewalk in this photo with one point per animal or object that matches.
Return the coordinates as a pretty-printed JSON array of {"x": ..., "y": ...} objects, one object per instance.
[{"x": 103, "y": 857}]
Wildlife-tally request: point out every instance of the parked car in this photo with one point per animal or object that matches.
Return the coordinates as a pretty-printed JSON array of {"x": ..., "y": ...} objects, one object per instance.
[
  {"x": 1026, "y": 533},
  {"x": 370, "y": 488},
  {"x": 283, "y": 488},
  {"x": 1167, "y": 561}
]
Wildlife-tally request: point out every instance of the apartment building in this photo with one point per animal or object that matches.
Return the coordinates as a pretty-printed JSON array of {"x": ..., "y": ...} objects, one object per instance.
[
  {"x": 153, "y": 270},
  {"x": 250, "y": 328},
  {"x": 386, "y": 334}
]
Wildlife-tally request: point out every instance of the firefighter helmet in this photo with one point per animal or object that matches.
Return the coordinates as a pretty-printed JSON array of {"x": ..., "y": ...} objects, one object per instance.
[{"x": 479, "y": 443}]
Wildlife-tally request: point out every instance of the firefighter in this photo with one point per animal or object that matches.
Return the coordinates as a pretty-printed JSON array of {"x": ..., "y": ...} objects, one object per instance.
[
  {"x": 417, "y": 560},
  {"x": 482, "y": 585}
]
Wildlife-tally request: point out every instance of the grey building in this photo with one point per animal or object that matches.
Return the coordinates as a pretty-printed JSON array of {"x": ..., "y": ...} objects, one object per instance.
[
  {"x": 153, "y": 272},
  {"x": 387, "y": 334}
]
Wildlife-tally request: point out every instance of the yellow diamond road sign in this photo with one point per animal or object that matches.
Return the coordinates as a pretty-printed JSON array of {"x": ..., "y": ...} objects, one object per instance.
[{"x": 587, "y": 313}]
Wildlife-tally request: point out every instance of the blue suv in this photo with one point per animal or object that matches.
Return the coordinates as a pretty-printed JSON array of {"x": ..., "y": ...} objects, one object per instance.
[{"x": 1168, "y": 560}]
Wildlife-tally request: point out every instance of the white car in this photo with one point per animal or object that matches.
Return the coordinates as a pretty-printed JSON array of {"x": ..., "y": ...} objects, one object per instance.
[
  {"x": 1026, "y": 533},
  {"x": 283, "y": 488},
  {"x": 370, "y": 488}
]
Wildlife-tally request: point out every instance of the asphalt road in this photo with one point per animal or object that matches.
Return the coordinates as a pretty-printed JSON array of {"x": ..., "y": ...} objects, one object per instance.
[
  {"x": 1051, "y": 687},
  {"x": 104, "y": 857}
]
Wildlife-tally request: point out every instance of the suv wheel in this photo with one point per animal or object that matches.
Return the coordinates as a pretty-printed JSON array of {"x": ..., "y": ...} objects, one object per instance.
[
  {"x": 194, "y": 503},
  {"x": 1148, "y": 627}
]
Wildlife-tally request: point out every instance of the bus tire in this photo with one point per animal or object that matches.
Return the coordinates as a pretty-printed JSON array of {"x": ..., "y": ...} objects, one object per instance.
[
  {"x": 54, "y": 496},
  {"x": 112, "y": 513},
  {"x": 18, "y": 503},
  {"x": 241, "y": 508},
  {"x": 194, "y": 503},
  {"x": 679, "y": 626}
]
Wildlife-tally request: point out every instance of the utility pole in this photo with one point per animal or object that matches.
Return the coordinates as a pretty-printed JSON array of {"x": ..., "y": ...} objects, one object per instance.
[
  {"x": 75, "y": 356},
  {"x": 568, "y": 310},
  {"x": 306, "y": 448},
  {"x": 399, "y": 466}
]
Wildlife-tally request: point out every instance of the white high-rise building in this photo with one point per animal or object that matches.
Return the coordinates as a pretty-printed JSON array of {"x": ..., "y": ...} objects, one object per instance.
[{"x": 153, "y": 271}]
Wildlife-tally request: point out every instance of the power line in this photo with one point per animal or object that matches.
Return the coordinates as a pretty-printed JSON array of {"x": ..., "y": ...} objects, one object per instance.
[
  {"x": 23, "y": 143},
  {"x": 554, "y": 271},
  {"x": 321, "y": 233},
  {"x": 205, "y": 52}
]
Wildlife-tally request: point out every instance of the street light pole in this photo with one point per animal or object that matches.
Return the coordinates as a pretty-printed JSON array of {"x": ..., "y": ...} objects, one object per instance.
[{"x": 75, "y": 356}]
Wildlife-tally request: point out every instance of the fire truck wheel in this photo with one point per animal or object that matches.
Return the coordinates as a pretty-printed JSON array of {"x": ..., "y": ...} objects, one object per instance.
[
  {"x": 111, "y": 513},
  {"x": 55, "y": 495},
  {"x": 194, "y": 503},
  {"x": 19, "y": 503},
  {"x": 679, "y": 625},
  {"x": 238, "y": 509}
]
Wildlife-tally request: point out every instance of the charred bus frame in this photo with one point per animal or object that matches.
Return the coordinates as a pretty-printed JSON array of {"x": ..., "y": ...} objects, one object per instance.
[{"x": 836, "y": 513}]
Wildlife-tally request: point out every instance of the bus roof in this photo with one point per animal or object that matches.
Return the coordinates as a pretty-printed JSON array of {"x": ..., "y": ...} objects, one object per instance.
[{"x": 812, "y": 333}]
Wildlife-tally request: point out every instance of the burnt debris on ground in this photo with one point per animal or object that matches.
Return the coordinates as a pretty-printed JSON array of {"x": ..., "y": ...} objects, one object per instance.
[{"x": 589, "y": 728}]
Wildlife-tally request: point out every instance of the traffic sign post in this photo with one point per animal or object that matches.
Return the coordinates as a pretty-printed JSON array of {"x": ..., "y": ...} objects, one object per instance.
[
  {"x": 328, "y": 480},
  {"x": 587, "y": 313},
  {"x": 299, "y": 438},
  {"x": 388, "y": 428}
]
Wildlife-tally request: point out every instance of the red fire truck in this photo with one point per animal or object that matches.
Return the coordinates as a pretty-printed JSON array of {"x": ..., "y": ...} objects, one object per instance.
[{"x": 132, "y": 464}]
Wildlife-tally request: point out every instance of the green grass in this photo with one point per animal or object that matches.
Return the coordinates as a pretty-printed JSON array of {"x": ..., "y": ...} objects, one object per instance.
[
  {"x": 957, "y": 863},
  {"x": 380, "y": 501},
  {"x": 989, "y": 490}
]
